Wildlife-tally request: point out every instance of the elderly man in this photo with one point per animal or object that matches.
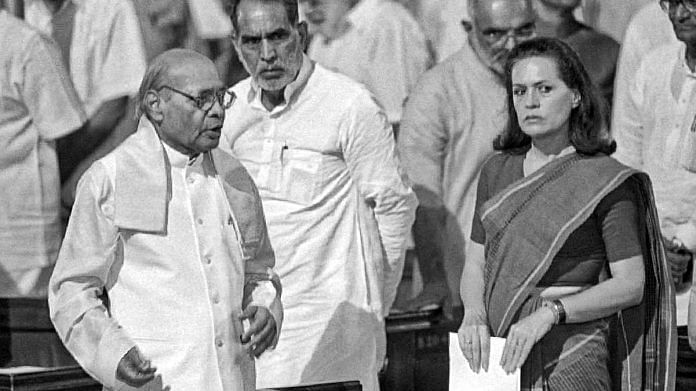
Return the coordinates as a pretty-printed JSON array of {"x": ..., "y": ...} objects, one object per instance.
[
  {"x": 38, "y": 107},
  {"x": 322, "y": 154},
  {"x": 656, "y": 132},
  {"x": 375, "y": 42},
  {"x": 449, "y": 124},
  {"x": 166, "y": 253}
]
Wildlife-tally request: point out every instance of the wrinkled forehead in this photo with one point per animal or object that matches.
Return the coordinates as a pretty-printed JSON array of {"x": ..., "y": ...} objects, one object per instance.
[
  {"x": 195, "y": 76},
  {"x": 502, "y": 14},
  {"x": 258, "y": 18}
]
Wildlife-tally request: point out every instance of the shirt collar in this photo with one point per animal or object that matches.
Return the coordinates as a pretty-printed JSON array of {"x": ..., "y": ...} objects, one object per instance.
[
  {"x": 176, "y": 158},
  {"x": 78, "y": 3},
  {"x": 292, "y": 89}
]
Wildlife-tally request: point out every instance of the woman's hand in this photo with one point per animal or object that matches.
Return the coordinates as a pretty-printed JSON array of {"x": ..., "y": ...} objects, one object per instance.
[
  {"x": 522, "y": 337},
  {"x": 474, "y": 340}
]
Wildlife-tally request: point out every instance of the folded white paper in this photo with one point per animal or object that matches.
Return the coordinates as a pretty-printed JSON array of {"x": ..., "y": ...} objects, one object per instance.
[{"x": 462, "y": 378}]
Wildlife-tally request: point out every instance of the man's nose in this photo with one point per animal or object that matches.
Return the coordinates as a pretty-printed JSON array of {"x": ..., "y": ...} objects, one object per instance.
[
  {"x": 511, "y": 41},
  {"x": 268, "y": 52},
  {"x": 216, "y": 111}
]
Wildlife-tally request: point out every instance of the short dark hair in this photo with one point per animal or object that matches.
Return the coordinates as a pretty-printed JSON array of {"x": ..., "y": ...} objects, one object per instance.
[
  {"x": 588, "y": 131},
  {"x": 231, "y": 7}
]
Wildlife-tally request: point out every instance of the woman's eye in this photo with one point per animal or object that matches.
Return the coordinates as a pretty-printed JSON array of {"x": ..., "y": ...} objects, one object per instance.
[
  {"x": 518, "y": 92},
  {"x": 545, "y": 89}
]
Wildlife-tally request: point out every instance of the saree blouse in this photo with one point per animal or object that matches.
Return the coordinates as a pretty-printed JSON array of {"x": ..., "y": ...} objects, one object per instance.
[{"x": 609, "y": 234}]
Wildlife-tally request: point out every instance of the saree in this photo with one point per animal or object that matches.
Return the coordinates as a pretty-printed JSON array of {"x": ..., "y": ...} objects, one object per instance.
[{"x": 529, "y": 221}]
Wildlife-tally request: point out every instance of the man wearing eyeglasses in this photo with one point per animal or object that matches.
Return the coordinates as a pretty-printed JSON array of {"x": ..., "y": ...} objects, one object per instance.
[
  {"x": 656, "y": 132},
  {"x": 449, "y": 123},
  {"x": 165, "y": 277}
]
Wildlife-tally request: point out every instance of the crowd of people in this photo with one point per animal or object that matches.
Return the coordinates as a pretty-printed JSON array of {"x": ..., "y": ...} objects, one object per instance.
[{"x": 221, "y": 194}]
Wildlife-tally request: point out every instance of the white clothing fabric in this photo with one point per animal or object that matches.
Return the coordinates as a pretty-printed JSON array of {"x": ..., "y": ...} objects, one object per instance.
[
  {"x": 450, "y": 121},
  {"x": 338, "y": 213},
  {"x": 648, "y": 29},
  {"x": 107, "y": 57},
  {"x": 38, "y": 105},
  {"x": 656, "y": 133},
  {"x": 384, "y": 48},
  {"x": 176, "y": 293}
]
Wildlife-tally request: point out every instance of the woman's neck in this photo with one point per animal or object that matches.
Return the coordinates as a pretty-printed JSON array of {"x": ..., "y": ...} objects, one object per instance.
[{"x": 551, "y": 144}]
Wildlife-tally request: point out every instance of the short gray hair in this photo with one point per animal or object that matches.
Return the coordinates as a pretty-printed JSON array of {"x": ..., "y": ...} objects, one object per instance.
[{"x": 290, "y": 6}]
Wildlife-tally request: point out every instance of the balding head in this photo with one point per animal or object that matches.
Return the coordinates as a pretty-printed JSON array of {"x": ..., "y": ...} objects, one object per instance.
[
  {"x": 170, "y": 67},
  {"x": 497, "y": 26}
]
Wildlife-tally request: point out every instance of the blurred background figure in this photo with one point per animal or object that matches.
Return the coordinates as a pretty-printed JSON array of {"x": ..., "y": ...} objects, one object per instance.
[
  {"x": 375, "y": 42},
  {"x": 598, "y": 52},
  {"x": 649, "y": 28},
  {"x": 102, "y": 49},
  {"x": 656, "y": 132},
  {"x": 450, "y": 121},
  {"x": 39, "y": 106}
]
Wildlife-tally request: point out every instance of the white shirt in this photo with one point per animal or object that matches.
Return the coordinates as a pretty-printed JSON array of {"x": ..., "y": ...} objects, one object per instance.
[
  {"x": 656, "y": 133},
  {"x": 176, "y": 295},
  {"x": 338, "y": 213},
  {"x": 649, "y": 28},
  {"x": 107, "y": 57},
  {"x": 384, "y": 48},
  {"x": 450, "y": 121},
  {"x": 38, "y": 106}
]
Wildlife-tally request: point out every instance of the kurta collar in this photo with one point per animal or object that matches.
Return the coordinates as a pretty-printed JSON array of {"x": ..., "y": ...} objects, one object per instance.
[
  {"x": 291, "y": 90},
  {"x": 535, "y": 159}
]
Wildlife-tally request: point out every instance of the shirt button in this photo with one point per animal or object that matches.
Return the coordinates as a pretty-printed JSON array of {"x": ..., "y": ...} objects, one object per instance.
[
  {"x": 216, "y": 299},
  {"x": 208, "y": 261},
  {"x": 218, "y": 342},
  {"x": 191, "y": 180},
  {"x": 200, "y": 221}
]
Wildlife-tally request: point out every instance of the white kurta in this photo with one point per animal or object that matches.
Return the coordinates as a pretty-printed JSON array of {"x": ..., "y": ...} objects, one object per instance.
[
  {"x": 385, "y": 49},
  {"x": 177, "y": 295},
  {"x": 338, "y": 213},
  {"x": 656, "y": 132}
]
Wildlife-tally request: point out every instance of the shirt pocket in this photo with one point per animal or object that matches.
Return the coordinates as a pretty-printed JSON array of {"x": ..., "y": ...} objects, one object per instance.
[{"x": 300, "y": 175}]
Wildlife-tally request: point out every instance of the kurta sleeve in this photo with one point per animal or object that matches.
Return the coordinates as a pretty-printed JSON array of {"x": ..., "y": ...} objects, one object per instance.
[
  {"x": 398, "y": 56},
  {"x": 628, "y": 126},
  {"x": 91, "y": 243},
  {"x": 261, "y": 284},
  {"x": 370, "y": 153}
]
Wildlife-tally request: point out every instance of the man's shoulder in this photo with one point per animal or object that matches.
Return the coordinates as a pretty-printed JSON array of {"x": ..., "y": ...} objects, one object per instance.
[
  {"x": 16, "y": 36},
  {"x": 335, "y": 86},
  {"x": 659, "y": 56}
]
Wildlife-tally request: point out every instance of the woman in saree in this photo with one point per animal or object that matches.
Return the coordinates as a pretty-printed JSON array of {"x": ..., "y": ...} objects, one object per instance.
[{"x": 570, "y": 266}]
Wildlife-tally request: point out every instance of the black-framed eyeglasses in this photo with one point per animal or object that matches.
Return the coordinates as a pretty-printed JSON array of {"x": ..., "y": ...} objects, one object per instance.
[
  {"x": 671, "y": 5},
  {"x": 206, "y": 100}
]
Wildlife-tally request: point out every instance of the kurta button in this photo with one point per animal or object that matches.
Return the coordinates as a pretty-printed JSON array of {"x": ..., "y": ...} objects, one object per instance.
[
  {"x": 200, "y": 221},
  {"x": 190, "y": 179},
  {"x": 208, "y": 261},
  {"x": 216, "y": 299},
  {"x": 219, "y": 343}
]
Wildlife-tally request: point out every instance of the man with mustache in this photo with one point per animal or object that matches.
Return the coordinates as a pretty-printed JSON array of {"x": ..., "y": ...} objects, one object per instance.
[
  {"x": 339, "y": 211},
  {"x": 447, "y": 132},
  {"x": 166, "y": 254},
  {"x": 655, "y": 131}
]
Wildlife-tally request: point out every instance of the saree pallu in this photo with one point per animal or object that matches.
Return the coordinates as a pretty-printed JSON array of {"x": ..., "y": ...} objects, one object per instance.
[{"x": 528, "y": 222}]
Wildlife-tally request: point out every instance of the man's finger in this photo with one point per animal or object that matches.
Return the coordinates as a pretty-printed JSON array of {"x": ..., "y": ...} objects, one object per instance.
[{"x": 476, "y": 352}]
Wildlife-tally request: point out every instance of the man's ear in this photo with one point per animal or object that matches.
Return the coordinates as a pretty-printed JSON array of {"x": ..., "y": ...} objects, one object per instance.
[
  {"x": 576, "y": 99},
  {"x": 153, "y": 103}
]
